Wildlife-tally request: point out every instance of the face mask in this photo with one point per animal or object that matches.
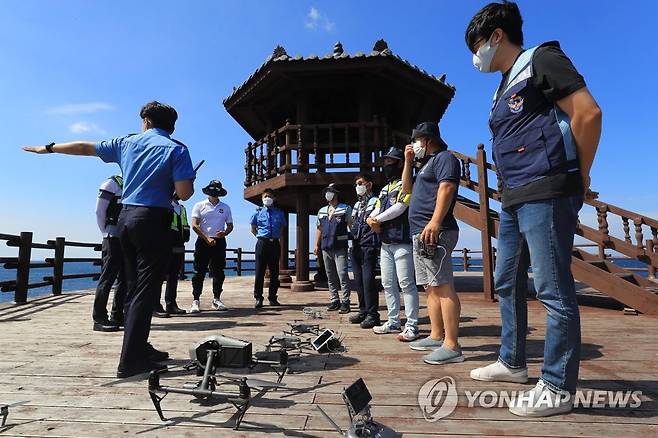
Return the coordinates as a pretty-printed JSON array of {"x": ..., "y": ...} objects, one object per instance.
[
  {"x": 391, "y": 171},
  {"x": 361, "y": 190},
  {"x": 268, "y": 202},
  {"x": 484, "y": 55},
  {"x": 329, "y": 196},
  {"x": 419, "y": 150}
]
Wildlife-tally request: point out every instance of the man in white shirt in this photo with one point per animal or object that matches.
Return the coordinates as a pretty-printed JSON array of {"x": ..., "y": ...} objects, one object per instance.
[
  {"x": 212, "y": 222},
  {"x": 108, "y": 206}
]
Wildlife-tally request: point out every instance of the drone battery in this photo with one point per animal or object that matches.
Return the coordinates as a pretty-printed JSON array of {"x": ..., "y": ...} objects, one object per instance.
[{"x": 322, "y": 342}]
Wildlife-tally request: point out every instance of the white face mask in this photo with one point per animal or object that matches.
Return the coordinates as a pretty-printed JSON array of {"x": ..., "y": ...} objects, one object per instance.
[
  {"x": 361, "y": 190},
  {"x": 419, "y": 150},
  {"x": 484, "y": 55},
  {"x": 267, "y": 202},
  {"x": 329, "y": 196}
]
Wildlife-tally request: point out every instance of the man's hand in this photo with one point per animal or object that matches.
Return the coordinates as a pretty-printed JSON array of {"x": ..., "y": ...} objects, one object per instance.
[
  {"x": 589, "y": 195},
  {"x": 409, "y": 154},
  {"x": 36, "y": 149},
  {"x": 430, "y": 234},
  {"x": 374, "y": 224},
  {"x": 316, "y": 250},
  {"x": 210, "y": 241},
  {"x": 220, "y": 234}
]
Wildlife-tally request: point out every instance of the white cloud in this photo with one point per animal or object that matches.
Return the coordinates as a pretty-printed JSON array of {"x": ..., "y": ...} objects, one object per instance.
[
  {"x": 315, "y": 20},
  {"x": 79, "y": 108},
  {"x": 85, "y": 127}
]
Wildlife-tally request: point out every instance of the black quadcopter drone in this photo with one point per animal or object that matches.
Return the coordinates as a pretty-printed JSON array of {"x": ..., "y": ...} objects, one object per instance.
[{"x": 207, "y": 356}]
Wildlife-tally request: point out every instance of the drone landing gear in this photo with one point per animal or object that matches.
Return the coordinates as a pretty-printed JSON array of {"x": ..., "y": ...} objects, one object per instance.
[
  {"x": 4, "y": 413},
  {"x": 277, "y": 361}
]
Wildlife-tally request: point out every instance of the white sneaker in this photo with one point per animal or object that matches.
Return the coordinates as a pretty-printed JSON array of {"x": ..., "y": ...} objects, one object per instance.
[
  {"x": 498, "y": 372},
  {"x": 218, "y": 305},
  {"x": 385, "y": 328},
  {"x": 541, "y": 402},
  {"x": 195, "y": 307},
  {"x": 408, "y": 334}
]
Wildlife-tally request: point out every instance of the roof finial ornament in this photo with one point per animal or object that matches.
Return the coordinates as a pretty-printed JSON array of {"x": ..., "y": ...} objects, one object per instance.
[
  {"x": 278, "y": 52},
  {"x": 380, "y": 45},
  {"x": 338, "y": 49},
  {"x": 442, "y": 78}
]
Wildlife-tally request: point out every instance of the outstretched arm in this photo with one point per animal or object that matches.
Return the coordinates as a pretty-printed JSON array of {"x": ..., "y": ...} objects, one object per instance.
[{"x": 85, "y": 148}]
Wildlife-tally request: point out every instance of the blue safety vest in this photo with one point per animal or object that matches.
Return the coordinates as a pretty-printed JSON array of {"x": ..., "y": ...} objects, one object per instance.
[
  {"x": 532, "y": 136},
  {"x": 362, "y": 234},
  {"x": 334, "y": 231},
  {"x": 396, "y": 230}
]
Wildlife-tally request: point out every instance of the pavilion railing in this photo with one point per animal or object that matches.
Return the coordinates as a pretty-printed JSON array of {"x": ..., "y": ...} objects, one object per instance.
[{"x": 296, "y": 148}]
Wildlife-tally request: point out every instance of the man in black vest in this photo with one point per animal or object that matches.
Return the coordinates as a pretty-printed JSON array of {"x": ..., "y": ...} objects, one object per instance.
[
  {"x": 546, "y": 128},
  {"x": 108, "y": 207}
]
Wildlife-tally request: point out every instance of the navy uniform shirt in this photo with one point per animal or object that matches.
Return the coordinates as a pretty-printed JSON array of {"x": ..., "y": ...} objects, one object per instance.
[
  {"x": 268, "y": 222},
  {"x": 150, "y": 164},
  {"x": 441, "y": 166}
]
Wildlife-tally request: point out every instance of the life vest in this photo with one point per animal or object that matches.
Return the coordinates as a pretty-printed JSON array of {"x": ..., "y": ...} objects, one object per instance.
[
  {"x": 362, "y": 234},
  {"x": 532, "y": 136},
  {"x": 396, "y": 230},
  {"x": 114, "y": 208},
  {"x": 334, "y": 230}
]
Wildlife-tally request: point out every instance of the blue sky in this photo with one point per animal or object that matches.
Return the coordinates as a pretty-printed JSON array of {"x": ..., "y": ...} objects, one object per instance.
[{"x": 82, "y": 69}]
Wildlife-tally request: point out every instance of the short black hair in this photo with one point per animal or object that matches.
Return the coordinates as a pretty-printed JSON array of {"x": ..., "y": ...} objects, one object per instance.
[
  {"x": 161, "y": 115},
  {"x": 505, "y": 15},
  {"x": 365, "y": 176},
  {"x": 267, "y": 192}
]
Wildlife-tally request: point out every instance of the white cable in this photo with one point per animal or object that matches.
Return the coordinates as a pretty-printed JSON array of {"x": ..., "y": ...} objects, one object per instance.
[{"x": 445, "y": 253}]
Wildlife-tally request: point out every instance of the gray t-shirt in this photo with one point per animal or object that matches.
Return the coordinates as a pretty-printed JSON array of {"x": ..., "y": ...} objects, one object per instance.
[{"x": 442, "y": 166}]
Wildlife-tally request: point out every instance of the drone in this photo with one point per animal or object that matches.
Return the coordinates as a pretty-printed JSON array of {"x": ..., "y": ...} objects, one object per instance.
[
  {"x": 298, "y": 327},
  {"x": 4, "y": 413},
  {"x": 357, "y": 399},
  {"x": 207, "y": 356}
]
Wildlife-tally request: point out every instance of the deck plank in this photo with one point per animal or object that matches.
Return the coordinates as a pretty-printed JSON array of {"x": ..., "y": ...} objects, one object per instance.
[{"x": 59, "y": 376}]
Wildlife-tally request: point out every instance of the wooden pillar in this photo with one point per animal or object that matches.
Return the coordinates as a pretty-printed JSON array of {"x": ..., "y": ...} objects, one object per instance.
[
  {"x": 23, "y": 271},
  {"x": 285, "y": 278},
  {"x": 487, "y": 225},
  {"x": 302, "y": 282}
]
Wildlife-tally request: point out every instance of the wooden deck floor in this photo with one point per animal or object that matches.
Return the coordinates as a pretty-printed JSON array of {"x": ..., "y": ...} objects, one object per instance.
[{"x": 58, "y": 376}]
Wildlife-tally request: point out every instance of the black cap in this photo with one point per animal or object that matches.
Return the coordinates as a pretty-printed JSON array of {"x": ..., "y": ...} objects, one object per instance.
[
  {"x": 214, "y": 188},
  {"x": 331, "y": 188},
  {"x": 428, "y": 129},
  {"x": 395, "y": 154}
]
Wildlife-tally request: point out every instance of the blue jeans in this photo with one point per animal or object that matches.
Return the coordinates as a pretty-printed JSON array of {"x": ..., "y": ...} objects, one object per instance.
[
  {"x": 397, "y": 265},
  {"x": 547, "y": 227},
  {"x": 335, "y": 265}
]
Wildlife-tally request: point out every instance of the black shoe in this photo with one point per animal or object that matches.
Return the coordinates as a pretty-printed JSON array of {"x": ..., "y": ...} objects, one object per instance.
[
  {"x": 335, "y": 305},
  {"x": 358, "y": 318},
  {"x": 105, "y": 326},
  {"x": 159, "y": 312},
  {"x": 147, "y": 367},
  {"x": 370, "y": 322},
  {"x": 274, "y": 302},
  {"x": 175, "y": 310},
  {"x": 344, "y": 307},
  {"x": 115, "y": 321},
  {"x": 259, "y": 303},
  {"x": 156, "y": 355}
]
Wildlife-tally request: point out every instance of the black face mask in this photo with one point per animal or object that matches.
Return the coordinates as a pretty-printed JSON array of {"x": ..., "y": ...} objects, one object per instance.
[{"x": 392, "y": 171}]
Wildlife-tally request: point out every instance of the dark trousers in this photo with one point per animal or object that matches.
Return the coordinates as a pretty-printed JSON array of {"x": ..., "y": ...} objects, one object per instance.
[
  {"x": 209, "y": 257},
  {"x": 364, "y": 265},
  {"x": 111, "y": 271},
  {"x": 268, "y": 253},
  {"x": 176, "y": 260},
  {"x": 145, "y": 238}
]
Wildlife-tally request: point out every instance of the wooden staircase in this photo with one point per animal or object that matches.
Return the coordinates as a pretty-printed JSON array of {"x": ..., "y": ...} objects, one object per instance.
[{"x": 599, "y": 271}]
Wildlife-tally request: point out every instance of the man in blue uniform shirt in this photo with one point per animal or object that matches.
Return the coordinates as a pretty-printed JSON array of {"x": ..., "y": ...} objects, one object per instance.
[
  {"x": 267, "y": 224},
  {"x": 331, "y": 244},
  {"x": 365, "y": 249},
  {"x": 546, "y": 128},
  {"x": 154, "y": 166}
]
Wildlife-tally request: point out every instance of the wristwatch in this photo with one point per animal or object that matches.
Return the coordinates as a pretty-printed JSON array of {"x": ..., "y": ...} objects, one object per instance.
[{"x": 49, "y": 147}]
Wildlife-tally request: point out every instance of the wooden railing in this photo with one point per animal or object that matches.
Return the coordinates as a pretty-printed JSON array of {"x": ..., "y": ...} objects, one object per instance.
[
  {"x": 241, "y": 261},
  {"x": 308, "y": 148}
]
